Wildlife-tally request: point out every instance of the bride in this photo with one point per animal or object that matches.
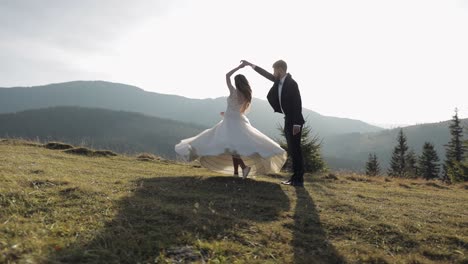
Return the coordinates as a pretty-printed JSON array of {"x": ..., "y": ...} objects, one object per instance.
[{"x": 234, "y": 142}]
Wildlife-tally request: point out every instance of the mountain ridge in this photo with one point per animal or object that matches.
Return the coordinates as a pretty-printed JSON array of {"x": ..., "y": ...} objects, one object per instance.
[{"x": 103, "y": 94}]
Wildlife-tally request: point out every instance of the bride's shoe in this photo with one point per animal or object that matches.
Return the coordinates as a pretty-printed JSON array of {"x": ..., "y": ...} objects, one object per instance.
[{"x": 245, "y": 172}]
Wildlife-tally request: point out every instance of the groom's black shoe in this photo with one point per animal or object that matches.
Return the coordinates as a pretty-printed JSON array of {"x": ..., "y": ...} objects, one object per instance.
[
  {"x": 288, "y": 182},
  {"x": 294, "y": 183},
  {"x": 297, "y": 184}
]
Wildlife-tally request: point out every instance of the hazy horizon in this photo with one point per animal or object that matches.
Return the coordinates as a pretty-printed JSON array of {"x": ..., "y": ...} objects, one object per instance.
[
  {"x": 388, "y": 63},
  {"x": 381, "y": 125}
]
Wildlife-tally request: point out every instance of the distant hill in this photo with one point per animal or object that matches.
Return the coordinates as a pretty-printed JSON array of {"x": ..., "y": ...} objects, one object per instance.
[
  {"x": 350, "y": 151},
  {"x": 346, "y": 142},
  {"x": 123, "y": 97},
  {"x": 127, "y": 132},
  {"x": 123, "y": 132}
]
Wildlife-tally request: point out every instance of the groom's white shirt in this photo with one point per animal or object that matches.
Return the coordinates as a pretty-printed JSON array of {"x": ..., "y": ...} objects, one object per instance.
[{"x": 280, "y": 89}]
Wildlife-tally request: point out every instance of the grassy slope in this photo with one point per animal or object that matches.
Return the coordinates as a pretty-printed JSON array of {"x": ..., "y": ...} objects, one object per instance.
[{"x": 58, "y": 207}]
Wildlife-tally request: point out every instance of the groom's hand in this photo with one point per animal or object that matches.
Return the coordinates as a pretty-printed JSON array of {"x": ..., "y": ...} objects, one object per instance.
[
  {"x": 296, "y": 129},
  {"x": 245, "y": 63}
]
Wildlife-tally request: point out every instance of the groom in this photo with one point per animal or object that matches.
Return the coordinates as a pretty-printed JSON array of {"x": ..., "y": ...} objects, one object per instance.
[{"x": 284, "y": 97}]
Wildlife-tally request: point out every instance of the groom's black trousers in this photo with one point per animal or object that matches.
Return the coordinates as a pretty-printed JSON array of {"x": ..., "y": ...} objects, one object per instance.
[{"x": 294, "y": 151}]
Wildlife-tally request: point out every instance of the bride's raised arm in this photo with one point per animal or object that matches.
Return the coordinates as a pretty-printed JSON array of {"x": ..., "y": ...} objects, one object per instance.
[{"x": 229, "y": 74}]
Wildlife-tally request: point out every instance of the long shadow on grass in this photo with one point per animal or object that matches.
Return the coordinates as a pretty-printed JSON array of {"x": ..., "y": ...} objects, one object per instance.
[
  {"x": 309, "y": 239},
  {"x": 167, "y": 212}
]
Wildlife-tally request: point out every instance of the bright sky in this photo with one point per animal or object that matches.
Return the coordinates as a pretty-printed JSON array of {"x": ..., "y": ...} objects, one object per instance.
[{"x": 383, "y": 62}]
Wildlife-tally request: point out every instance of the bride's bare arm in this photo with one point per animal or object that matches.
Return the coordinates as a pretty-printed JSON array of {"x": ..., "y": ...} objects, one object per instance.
[{"x": 229, "y": 74}]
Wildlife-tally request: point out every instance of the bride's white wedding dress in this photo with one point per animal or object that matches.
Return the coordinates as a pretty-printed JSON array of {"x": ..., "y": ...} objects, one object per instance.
[{"x": 234, "y": 135}]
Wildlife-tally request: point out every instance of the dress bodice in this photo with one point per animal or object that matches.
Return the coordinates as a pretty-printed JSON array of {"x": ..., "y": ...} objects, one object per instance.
[{"x": 234, "y": 102}]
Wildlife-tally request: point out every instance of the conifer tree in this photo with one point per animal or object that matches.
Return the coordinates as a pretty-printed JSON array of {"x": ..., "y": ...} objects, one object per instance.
[
  {"x": 412, "y": 170},
  {"x": 429, "y": 162},
  {"x": 454, "y": 169},
  {"x": 372, "y": 165},
  {"x": 398, "y": 161}
]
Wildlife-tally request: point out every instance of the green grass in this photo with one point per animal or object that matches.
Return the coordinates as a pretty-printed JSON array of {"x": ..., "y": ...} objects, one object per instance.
[{"x": 66, "y": 208}]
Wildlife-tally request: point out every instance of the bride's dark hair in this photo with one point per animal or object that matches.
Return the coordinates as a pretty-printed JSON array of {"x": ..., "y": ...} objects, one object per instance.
[{"x": 243, "y": 86}]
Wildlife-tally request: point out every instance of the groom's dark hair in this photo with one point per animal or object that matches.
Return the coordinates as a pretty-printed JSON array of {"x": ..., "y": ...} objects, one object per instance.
[{"x": 280, "y": 64}]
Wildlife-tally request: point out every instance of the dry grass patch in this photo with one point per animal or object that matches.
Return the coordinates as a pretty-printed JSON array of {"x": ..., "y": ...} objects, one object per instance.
[{"x": 60, "y": 208}]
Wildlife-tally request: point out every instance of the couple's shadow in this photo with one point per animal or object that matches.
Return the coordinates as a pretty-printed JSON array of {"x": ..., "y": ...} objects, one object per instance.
[{"x": 164, "y": 214}]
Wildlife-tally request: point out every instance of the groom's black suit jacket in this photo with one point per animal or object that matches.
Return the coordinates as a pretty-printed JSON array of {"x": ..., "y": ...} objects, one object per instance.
[{"x": 290, "y": 98}]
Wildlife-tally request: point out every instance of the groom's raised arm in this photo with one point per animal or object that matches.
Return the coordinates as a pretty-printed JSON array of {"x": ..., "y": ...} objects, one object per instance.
[
  {"x": 264, "y": 73},
  {"x": 261, "y": 71}
]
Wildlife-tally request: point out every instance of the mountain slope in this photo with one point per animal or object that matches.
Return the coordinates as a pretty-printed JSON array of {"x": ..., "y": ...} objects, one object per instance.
[
  {"x": 351, "y": 150},
  {"x": 84, "y": 126},
  {"x": 123, "y": 132},
  {"x": 123, "y": 97}
]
